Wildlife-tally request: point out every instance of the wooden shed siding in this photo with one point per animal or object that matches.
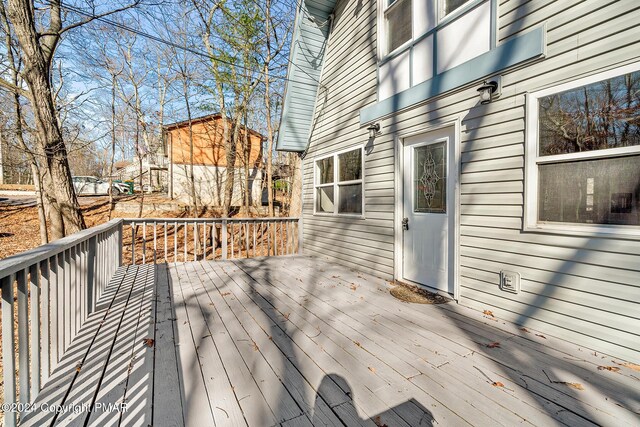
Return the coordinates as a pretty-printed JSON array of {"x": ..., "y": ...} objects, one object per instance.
[
  {"x": 208, "y": 145},
  {"x": 584, "y": 289}
]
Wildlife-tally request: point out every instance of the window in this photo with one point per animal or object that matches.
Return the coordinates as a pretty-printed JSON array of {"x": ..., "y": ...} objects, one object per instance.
[
  {"x": 397, "y": 19},
  {"x": 583, "y": 153},
  {"x": 452, "y": 5},
  {"x": 339, "y": 184},
  {"x": 422, "y": 38}
]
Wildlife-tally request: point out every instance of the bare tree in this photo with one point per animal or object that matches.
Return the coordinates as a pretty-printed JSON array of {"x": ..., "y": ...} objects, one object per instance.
[{"x": 37, "y": 49}]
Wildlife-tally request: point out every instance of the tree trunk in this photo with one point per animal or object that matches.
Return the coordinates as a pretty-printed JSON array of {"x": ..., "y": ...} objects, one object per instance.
[{"x": 48, "y": 134}]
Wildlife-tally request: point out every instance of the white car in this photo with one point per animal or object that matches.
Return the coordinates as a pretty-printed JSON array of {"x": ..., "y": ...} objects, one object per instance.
[{"x": 90, "y": 185}]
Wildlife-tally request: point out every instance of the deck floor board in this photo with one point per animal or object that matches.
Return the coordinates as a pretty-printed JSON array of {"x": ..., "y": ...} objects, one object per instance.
[{"x": 296, "y": 341}]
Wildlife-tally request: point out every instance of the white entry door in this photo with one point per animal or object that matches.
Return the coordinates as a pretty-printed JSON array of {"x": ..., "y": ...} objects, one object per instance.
[{"x": 428, "y": 226}]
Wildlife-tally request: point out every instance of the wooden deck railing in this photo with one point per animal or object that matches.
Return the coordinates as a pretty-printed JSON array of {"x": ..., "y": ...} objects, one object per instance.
[
  {"x": 55, "y": 287},
  {"x": 190, "y": 239},
  {"x": 48, "y": 292}
]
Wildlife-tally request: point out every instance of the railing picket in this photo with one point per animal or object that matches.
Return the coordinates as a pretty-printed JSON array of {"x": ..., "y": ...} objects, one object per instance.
[
  {"x": 144, "y": 242},
  {"x": 165, "y": 240},
  {"x": 204, "y": 240},
  {"x": 56, "y": 291},
  {"x": 186, "y": 237},
  {"x": 195, "y": 241},
  {"x": 223, "y": 232},
  {"x": 34, "y": 290},
  {"x": 253, "y": 227},
  {"x": 73, "y": 290},
  {"x": 45, "y": 347},
  {"x": 175, "y": 242},
  {"x": 67, "y": 299},
  {"x": 8, "y": 349},
  {"x": 246, "y": 235},
  {"x": 91, "y": 286},
  {"x": 133, "y": 243},
  {"x": 23, "y": 336},
  {"x": 155, "y": 240},
  {"x": 232, "y": 239}
]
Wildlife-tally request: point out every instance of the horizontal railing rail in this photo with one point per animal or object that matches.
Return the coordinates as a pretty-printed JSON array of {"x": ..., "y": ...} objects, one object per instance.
[
  {"x": 53, "y": 288},
  {"x": 49, "y": 292},
  {"x": 151, "y": 240}
]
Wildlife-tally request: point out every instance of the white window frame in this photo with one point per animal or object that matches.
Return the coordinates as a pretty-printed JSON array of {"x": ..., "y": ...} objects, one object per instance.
[
  {"x": 532, "y": 160},
  {"x": 441, "y": 20},
  {"x": 336, "y": 185}
]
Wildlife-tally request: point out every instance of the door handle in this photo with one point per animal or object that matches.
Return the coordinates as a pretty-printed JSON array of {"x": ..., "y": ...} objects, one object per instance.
[{"x": 405, "y": 223}]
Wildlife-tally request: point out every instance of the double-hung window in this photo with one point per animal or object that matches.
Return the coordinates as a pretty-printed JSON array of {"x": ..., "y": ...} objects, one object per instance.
[
  {"x": 583, "y": 154},
  {"x": 339, "y": 183},
  {"x": 397, "y": 20}
]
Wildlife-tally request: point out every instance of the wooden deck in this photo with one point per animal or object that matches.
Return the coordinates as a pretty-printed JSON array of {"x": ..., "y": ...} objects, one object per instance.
[{"x": 295, "y": 341}]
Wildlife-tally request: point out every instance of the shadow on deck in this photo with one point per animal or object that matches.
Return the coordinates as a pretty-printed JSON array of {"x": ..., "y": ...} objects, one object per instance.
[{"x": 297, "y": 341}]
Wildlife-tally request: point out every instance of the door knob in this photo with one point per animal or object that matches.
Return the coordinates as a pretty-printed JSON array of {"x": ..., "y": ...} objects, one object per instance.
[{"x": 405, "y": 223}]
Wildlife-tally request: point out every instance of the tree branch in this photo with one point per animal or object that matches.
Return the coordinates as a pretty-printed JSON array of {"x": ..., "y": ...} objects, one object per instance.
[
  {"x": 13, "y": 88},
  {"x": 92, "y": 17}
]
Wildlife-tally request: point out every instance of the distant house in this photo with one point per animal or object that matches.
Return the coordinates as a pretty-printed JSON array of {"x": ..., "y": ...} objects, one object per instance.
[
  {"x": 210, "y": 161},
  {"x": 485, "y": 149},
  {"x": 154, "y": 172}
]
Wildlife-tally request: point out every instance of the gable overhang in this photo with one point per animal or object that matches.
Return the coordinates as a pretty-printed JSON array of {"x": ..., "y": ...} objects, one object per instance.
[{"x": 312, "y": 26}]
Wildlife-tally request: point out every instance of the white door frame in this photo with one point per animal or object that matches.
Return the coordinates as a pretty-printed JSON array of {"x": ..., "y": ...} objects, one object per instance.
[{"x": 454, "y": 173}]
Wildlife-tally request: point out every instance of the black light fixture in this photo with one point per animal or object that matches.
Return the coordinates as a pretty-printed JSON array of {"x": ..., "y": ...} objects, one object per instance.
[
  {"x": 373, "y": 129},
  {"x": 490, "y": 90}
]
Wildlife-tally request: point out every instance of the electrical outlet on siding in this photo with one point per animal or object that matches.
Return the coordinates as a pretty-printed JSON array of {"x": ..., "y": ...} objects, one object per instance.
[{"x": 510, "y": 281}]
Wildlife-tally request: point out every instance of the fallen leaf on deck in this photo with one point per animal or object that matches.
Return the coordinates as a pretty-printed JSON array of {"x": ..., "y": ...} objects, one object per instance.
[
  {"x": 497, "y": 384},
  {"x": 148, "y": 342},
  {"x": 79, "y": 367},
  {"x": 524, "y": 330},
  {"x": 372, "y": 369},
  {"x": 541, "y": 336},
  {"x": 488, "y": 313},
  {"x": 493, "y": 345},
  {"x": 286, "y": 316},
  {"x": 224, "y": 294},
  {"x": 608, "y": 368},
  {"x": 255, "y": 346},
  {"x": 357, "y": 343},
  {"x": 628, "y": 365},
  {"x": 379, "y": 422},
  {"x": 354, "y": 286},
  {"x": 577, "y": 386}
]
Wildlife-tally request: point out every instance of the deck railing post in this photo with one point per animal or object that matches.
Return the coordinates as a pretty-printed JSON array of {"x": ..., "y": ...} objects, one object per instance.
[
  {"x": 299, "y": 246},
  {"x": 223, "y": 231},
  {"x": 120, "y": 241},
  {"x": 91, "y": 270}
]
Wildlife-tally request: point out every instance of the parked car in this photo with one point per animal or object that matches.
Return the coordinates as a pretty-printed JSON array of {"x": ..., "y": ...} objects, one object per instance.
[{"x": 90, "y": 185}]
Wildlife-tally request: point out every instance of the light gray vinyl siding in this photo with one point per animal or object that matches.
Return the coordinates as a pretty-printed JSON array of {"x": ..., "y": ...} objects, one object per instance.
[
  {"x": 583, "y": 289},
  {"x": 349, "y": 79}
]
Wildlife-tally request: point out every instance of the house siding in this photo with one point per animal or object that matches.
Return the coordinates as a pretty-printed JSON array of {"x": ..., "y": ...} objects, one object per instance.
[{"x": 583, "y": 289}]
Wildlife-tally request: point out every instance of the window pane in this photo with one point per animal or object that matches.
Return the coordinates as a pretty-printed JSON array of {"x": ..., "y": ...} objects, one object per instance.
[
  {"x": 325, "y": 170},
  {"x": 350, "y": 164},
  {"x": 350, "y": 199},
  {"x": 324, "y": 199},
  {"x": 593, "y": 117},
  {"x": 451, "y": 5},
  {"x": 398, "y": 24},
  {"x": 601, "y": 191},
  {"x": 430, "y": 178}
]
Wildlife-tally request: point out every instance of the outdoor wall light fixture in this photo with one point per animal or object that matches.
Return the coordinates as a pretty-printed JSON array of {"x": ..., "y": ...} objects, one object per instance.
[
  {"x": 490, "y": 90},
  {"x": 373, "y": 129}
]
